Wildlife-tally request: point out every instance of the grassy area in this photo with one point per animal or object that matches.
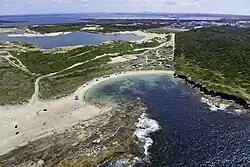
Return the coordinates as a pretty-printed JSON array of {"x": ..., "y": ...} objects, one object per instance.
[
  {"x": 167, "y": 30},
  {"x": 78, "y": 27},
  {"x": 66, "y": 83},
  {"x": 218, "y": 58},
  {"x": 73, "y": 66},
  {"x": 48, "y": 62},
  {"x": 56, "y": 28},
  {"x": 15, "y": 85},
  {"x": 110, "y": 29}
]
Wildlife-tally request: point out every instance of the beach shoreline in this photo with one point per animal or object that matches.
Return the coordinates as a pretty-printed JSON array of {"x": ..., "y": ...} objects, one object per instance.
[
  {"x": 146, "y": 35},
  {"x": 24, "y": 123}
]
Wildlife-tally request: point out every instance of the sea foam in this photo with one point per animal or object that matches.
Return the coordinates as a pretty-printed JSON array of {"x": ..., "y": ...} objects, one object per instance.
[
  {"x": 212, "y": 105},
  {"x": 145, "y": 127}
]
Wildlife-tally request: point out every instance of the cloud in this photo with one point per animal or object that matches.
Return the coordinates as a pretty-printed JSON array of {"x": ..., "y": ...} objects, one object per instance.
[
  {"x": 62, "y": 1},
  {"x": 6, "y": 5},
  {"x": 183, "y": 2},
  {"x": 171, "y": 2}
]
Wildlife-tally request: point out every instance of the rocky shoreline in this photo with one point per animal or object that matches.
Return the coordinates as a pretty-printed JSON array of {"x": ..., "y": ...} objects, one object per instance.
[
  {"x": 109, "y": 136},
  {"x": 237, "y": 100}
]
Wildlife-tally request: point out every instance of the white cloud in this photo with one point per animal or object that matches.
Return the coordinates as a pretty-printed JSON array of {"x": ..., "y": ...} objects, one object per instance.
[
  {"x": 62, "y": 1},
  {"x": 182, "y": 2},
  {"x": 6, "y": 5}
]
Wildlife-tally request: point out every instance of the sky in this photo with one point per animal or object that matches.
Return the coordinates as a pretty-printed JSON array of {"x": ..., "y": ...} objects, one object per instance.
[{"x": 9, "y": 7}]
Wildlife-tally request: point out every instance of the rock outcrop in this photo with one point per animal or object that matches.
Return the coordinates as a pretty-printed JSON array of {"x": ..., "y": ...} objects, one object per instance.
[{"x": 238, "y": 100}]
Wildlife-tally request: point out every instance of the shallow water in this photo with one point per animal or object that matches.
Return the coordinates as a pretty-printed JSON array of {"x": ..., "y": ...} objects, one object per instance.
[
  {"x": 191, "y": 134},
  {"x": 112, "y": 90},
  {"x": 72, "y": 39}
]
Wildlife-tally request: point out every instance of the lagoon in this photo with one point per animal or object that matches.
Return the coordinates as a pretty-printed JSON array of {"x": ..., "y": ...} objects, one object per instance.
[{"x": 71, "y": 39}]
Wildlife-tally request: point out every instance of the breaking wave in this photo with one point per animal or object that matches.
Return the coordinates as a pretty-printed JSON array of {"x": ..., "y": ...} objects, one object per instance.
[
  {"x": 145, "y": 127},
  {"x": 213, "y": 106}
]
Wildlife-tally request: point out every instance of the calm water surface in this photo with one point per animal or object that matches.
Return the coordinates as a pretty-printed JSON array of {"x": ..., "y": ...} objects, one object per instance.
[
  {"x": 72, "y": 39},
  {"x": 191, "y": 134},
  {"x": 23, "y": 20}
]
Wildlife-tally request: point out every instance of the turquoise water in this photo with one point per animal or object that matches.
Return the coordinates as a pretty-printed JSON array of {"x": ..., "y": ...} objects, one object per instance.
[
  {"x": 101, "y": 93},
  {"x": 191, "y": 134},
  {"x": 72, "y": 39}
]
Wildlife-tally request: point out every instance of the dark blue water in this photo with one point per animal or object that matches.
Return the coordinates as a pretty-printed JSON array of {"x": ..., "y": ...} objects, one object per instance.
[
  {"x": 72, "y": 39},
  {"x": 191, "y": 134},
  {"x": 22, "y": 20}
]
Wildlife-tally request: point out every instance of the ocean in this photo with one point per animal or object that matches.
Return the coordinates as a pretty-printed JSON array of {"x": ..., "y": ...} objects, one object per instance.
[
  {"x": 191, "y": 134},
  {"x": 23, "y": 20}
]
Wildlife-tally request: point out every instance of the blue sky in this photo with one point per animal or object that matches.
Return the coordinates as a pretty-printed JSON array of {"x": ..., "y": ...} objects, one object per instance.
[{"x": 83, "y": 6}]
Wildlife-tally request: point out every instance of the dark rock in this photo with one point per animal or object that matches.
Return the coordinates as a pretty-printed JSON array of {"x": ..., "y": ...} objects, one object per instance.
[
  {"x": 17, "y": 133},
  {"x": 76, "y": 97},
  {"x": 15, "y": 126},
  {"x": 237, "y": 100}
]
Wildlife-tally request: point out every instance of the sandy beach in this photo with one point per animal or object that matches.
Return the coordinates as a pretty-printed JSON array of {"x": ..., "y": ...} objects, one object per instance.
[
  {"x": 4, "y": 30},
  {"x": 146, "y": 35},
  {"x": 23, "y": 123}
]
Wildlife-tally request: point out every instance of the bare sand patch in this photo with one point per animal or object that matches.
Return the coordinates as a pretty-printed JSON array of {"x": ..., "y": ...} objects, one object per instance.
[
  {"x": 147, "y": 36},
  {"x": 121, "y": 59}
]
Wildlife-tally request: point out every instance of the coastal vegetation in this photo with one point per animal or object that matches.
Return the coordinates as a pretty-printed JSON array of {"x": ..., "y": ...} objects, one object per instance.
[
  {"x": 62, "y": 70},
  {"x": 78, "y": 27},
  {"x": 115, "y": 25},
  {"x": 15, "y": 85},
  {"x": 42, "y": 63},
  {"x": 217, "y": 58},
  {"x": 55, "y": 28},
  {"x": 103, "y": 25}
]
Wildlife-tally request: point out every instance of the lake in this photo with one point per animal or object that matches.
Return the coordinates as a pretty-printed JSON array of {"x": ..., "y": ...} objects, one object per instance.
[
  {"x": 191, "y": 134},
  {"x": 72, "y": 39}
]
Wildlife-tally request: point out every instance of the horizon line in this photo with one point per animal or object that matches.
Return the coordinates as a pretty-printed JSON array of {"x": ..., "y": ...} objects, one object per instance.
[{"x": 232, "y": 14}]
